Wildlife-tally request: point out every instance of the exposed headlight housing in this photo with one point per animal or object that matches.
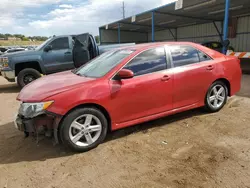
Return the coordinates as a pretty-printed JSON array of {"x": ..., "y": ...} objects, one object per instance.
[
  {"x": 4, "y": 61},
  {"x": 30, "y": 110}
]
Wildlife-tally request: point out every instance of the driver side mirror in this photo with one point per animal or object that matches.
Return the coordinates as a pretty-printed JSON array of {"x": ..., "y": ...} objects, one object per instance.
[
  {"x": 48, "y": 48},
  {"x": 124, "y": 74}
]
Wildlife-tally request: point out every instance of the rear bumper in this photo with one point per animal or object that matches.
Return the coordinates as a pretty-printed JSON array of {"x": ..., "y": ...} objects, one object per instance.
[{"x": 236, "y": 83}]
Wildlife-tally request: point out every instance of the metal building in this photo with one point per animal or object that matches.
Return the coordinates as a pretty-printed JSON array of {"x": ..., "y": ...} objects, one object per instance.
[{"x": 185, "y": 20}]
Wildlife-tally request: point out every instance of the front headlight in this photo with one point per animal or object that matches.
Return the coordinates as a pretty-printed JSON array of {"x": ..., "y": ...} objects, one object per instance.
[
  {"x": 4, "y": 61},
  {"x": 30, "y": 110}
]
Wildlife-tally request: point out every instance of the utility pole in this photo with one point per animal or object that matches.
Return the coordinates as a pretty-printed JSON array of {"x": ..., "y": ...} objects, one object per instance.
[{"x": 123, "y": 9}]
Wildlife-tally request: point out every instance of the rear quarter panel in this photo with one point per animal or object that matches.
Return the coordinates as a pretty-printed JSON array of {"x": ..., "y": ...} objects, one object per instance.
[
  {"x": 232, "y": 72},
  {"x": 227, "y": 67}
]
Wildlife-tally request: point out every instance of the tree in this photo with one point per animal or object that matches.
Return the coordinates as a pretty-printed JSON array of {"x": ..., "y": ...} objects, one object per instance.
[
  {"x": 25, "y": 39},
  {"x": 19, "y": 36},
  {"x": 8, "y": 35}
]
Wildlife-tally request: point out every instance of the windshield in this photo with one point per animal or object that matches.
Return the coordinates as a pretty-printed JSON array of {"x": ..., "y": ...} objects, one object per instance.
[
  {"x": 43, "y": 44},
  {"x": 103, "y": 64}
]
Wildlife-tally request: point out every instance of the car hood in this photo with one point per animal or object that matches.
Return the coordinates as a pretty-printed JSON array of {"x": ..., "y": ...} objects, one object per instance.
[
  {"x": 48, "y": 86},
  {"x": 21, "y": 53}
]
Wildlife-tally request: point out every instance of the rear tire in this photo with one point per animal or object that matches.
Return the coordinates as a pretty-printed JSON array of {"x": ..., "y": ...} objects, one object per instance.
[
  {"x": 216, "y": 97},
  {"x": 27, "y": 76},
  {"x": 83, "y": 129}
]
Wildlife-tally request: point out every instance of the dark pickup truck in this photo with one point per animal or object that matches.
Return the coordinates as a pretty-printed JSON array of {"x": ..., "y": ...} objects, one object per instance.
[{"x": 57, "y": 54}]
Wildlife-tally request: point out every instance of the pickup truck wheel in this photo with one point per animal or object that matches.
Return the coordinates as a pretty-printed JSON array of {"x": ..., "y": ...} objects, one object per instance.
[
  {"x": 83, "y": 129},
  {"x": 27, "y": 76}
]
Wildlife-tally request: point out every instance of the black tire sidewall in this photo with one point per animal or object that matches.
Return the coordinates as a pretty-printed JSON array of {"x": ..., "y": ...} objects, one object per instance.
[
  {"x": 65, "y": 126},
  {"x": 20, "y": 76},
  {"x": 207, "y": 105}
]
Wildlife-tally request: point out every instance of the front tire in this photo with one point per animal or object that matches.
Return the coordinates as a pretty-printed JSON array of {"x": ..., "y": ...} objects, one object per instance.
[
  {"x": 83, "y": 129},
  {"x": 27, "y": 76},
  {"x": 216, "y": 96}
]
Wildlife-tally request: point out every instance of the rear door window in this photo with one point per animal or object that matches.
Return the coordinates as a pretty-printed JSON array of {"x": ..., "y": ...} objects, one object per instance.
[
  {"x": 184, "y": 55},
  {"x": 150, "y": 61}
]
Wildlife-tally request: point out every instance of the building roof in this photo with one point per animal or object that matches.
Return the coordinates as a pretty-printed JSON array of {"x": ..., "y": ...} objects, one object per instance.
[{"x": 193, "y": 12}]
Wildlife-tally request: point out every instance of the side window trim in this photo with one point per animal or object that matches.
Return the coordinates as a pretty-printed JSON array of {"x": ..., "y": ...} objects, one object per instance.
[
  {"x": 70, "y": 41},
  {"x": 170, "y": 64}
]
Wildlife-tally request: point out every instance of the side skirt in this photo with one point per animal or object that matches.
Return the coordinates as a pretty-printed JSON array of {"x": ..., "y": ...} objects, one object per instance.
[{"x": 155, "y": 116}]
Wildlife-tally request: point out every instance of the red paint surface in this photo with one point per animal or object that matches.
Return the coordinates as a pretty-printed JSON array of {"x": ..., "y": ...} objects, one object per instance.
[{"x": 141, "y": 98}]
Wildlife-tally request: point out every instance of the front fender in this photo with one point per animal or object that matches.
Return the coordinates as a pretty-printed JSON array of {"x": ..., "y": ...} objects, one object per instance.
[
  {"x": 24, "y": 59},
  {"x": 68, "y": 100}
]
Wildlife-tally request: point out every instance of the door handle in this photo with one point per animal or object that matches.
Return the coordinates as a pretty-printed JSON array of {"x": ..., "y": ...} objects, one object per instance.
[
  {"x": 210, "y": 67},
  {"x": 67, "y": 53},
  {"x": 165, "y": 78}
]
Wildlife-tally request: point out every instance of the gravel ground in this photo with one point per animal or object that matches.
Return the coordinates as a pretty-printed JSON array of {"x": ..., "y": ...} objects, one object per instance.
[{"x": 191, "y": 149}]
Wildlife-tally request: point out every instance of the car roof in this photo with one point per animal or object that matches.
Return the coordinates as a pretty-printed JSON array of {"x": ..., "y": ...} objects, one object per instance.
[
  {"x": 145, "y": 46},
  {"x": 142, "y": 47}
]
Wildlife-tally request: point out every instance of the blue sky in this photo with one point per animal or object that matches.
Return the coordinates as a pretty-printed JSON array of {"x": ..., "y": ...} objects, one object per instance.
[{"x": 49, "y": 17}]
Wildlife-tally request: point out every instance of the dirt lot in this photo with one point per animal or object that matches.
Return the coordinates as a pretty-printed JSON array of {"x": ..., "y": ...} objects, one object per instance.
[{"x": 191, "y": 149}]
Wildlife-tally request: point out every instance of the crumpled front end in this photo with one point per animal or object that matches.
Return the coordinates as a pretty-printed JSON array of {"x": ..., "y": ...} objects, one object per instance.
[{"x": 37, "y": 122}]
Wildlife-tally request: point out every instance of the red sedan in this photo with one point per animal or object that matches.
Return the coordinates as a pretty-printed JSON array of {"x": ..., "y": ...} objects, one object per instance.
[{"x": 125, "y": 87}]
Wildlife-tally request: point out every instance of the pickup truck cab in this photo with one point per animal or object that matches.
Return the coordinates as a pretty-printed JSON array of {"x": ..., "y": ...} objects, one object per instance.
[{"x": 57, "y": 54}]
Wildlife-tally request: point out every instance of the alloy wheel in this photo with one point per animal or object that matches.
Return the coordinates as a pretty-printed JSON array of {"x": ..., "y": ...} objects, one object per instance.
[
  {"x": 217, "y": 96},
  {"x": 85, "y": 130}
]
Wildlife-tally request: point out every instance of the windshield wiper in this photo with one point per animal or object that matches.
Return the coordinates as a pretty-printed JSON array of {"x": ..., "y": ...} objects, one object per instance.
[{"x": 78, "y": 74}]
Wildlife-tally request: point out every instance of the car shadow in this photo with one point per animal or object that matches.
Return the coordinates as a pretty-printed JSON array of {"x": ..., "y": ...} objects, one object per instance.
[
  {"x": 9, "y": 88},
  {"x": 15, "y": 148},
  {"x": 144, "y": 127}
]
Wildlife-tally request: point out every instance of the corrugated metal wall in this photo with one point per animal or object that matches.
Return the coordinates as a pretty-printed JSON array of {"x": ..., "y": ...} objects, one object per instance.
[
  {"x": 164, "y": 35},
  {"x": 111, "y": 36},
  {"x": 242, "y": 42},
  {"x": 197, "y": 33},
  {"x": 207, "y": 32}
]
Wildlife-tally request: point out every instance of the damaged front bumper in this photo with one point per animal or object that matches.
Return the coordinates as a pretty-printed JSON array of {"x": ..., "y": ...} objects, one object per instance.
[{"x": 46, "y": 124}]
